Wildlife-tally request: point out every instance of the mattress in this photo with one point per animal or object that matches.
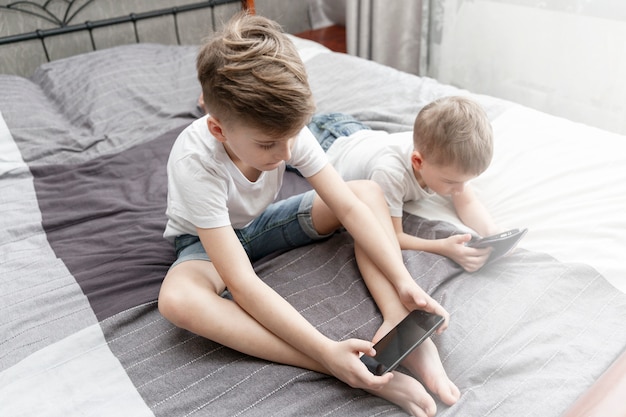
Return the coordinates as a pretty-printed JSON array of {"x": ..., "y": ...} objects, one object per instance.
[{"x": 83, "y": 145}]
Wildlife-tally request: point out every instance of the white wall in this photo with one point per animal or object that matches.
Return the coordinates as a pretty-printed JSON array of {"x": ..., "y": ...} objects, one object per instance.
[{"x": 550, "y": 55}]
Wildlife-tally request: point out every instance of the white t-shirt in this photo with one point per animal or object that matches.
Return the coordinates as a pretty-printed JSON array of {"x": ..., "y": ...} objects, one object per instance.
[
  {"x": 384, "y": 158},
  {"x": 207, "y": 190}
]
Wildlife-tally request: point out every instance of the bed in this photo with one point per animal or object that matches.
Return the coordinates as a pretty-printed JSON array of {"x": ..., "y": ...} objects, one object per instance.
[{"x": 83, "y": 143}]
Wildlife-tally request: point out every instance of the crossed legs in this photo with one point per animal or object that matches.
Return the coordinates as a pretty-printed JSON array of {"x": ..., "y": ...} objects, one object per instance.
[{"x": 190, "y": 298}]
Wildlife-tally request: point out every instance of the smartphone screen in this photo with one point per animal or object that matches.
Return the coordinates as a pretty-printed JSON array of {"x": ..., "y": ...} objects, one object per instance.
[{"x": 402, "y": 340}]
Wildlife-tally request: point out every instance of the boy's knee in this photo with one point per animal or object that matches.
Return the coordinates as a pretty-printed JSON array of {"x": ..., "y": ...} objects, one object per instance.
[
  {"x": 171, "y": 304},
  {"x": 370, "y": 193},
  {"x": 367, "y": 188}
]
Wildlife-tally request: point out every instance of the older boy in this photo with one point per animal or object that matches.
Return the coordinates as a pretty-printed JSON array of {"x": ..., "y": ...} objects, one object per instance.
[
  {"x": 451, "y": 143},
  {"x": 225, "y": 170}
]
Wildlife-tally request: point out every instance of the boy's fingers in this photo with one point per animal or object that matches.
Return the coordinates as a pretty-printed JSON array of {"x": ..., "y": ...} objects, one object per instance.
[
  {"x": 362, "y": 346},
  {"x": 466, "y": 238}
]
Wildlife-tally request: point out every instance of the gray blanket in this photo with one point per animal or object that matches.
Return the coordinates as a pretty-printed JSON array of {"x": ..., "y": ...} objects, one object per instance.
[{"x": 82, "y": 187}]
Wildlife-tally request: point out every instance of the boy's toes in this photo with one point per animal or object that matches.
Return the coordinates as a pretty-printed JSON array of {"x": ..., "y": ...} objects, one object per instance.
[{"x": 448, "y": 393}]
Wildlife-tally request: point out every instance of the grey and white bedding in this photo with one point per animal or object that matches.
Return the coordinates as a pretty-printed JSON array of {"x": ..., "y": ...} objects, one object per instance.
[{"x": 83, "y": 145}]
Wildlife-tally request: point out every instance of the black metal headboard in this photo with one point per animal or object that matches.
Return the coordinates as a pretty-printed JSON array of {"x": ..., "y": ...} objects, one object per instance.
[
  {"x": 60, "y": 17},
  {"x": 64, "y": 24}
]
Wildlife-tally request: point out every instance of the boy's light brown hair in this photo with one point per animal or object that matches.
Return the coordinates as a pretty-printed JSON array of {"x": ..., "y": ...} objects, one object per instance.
[
  {"x": 251, "y": 72},
  {"x": 454, "y": 131}
]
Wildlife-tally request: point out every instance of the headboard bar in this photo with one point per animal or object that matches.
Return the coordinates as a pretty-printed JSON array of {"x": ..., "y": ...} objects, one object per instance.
[{"x": 90, "y": 25}]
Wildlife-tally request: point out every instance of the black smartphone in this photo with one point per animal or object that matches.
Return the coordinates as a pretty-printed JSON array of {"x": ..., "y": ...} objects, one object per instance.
[
  {"x": 484, "y": 242},
  {"x": 402, "y": 340}
]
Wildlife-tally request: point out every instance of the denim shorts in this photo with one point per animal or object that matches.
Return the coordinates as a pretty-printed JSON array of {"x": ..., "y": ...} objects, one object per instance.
[
  {"x": 327, "y": 127},
  {"x": 285, "y": 224}
]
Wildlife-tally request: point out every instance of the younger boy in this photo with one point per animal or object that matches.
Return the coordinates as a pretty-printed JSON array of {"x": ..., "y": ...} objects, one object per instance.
[
  {"x": 451, "y": 143},
  {"x": 224, "y": 172}
]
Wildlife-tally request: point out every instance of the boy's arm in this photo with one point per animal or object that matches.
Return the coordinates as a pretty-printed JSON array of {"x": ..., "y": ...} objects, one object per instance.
[
  {"x": 453, "y": 247},
  {"x": 473, "y": 213},
  {"x": 380, "y": 245},
  {"x": 278, "y": 316},
  {"x": 410, "y": 242}
]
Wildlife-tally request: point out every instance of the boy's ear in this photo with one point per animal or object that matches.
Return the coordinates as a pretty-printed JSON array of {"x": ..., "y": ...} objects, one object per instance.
[
  {"x": 215, "y": 127},
  {"x": 416, "y": 160}
]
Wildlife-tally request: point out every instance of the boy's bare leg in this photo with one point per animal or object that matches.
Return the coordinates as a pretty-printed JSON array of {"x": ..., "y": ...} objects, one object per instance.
[
  {"x": 424, "y": 362},
  {"x": 189, "y": 299},
  {"x": 428, "y": 364}
]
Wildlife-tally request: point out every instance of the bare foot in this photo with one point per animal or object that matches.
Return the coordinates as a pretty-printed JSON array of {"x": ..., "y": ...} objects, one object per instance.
[
  {"x": 425, "y": 363},
  {"x": 406, "y": 392}
]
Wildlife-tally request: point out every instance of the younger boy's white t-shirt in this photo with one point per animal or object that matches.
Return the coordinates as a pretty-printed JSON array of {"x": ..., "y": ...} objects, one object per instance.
[
  {"x": 382, "y": 157},
  {"x": 207, "y": 190}
]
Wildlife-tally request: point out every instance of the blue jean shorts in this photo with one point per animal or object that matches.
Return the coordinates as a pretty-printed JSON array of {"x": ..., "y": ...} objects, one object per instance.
[
  {"x": 327, "y": 127},
  {"x": 285, "y": 224}
]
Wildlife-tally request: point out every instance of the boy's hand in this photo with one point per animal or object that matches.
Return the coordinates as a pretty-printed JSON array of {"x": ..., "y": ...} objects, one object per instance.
[
  {"x": 343, "y": 360},
  {"x": 413, "y": 297},
  {"x": 470, "y": 259}
]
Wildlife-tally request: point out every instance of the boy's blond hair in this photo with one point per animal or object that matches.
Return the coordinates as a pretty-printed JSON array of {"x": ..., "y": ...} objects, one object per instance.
[
  {"x": 454, "y": 131},
  {"x": 251, "y": 72}
]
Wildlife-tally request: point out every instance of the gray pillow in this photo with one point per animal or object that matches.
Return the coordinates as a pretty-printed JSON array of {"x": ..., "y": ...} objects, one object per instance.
[{"x": 106, "y": 100}]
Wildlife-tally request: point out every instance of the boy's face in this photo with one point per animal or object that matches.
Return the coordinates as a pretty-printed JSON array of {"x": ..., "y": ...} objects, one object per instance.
[
  {"x": 250, "y": 148},
  {"x": 442, "y": 179}
]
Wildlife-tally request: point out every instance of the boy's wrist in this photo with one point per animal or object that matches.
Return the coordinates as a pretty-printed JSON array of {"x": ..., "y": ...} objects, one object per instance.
[
  {"x": 439, "y": 247},
  {"x": 320, "y": 348}
]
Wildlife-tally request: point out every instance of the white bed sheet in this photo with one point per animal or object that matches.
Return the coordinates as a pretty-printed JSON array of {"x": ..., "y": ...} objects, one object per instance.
[{"x": 307, "y": 48}]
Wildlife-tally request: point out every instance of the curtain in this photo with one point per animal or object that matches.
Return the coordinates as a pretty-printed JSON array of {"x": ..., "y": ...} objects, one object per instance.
[
  {"x": 392, "y": 32},
  {"x": 325, "y": 13}
]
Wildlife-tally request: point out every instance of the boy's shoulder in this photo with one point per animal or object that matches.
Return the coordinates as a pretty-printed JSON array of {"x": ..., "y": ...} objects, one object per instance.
[
  {"x": 383, "y": 137},
  {"x": 198, "y": 130},
  {"x": 371, "y": 145},
  {"x": 195, "y": 139},
  {"x": 381, "y": 142}
]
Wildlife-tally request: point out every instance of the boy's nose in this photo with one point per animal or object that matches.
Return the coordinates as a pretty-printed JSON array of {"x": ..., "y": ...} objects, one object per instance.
[{"x": 284, "y": 151}]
